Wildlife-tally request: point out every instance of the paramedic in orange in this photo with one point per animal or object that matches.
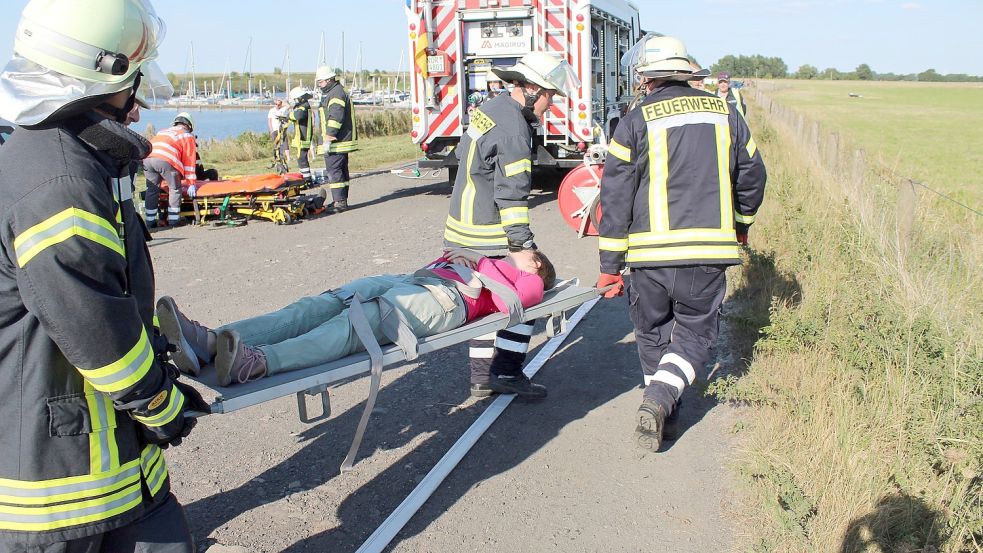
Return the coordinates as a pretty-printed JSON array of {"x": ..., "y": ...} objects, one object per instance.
[{"x": 172, "y": 159}]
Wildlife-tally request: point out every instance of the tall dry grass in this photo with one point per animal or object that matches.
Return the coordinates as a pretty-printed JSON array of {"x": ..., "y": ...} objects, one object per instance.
[{"x": 859, "y": 312}]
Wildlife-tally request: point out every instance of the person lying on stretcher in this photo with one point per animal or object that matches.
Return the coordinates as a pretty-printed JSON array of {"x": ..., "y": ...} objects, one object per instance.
[{"x": 316, "y": 329}]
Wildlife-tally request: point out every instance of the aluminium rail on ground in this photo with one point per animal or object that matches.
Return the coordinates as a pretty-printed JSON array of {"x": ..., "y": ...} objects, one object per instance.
[{"x": 315, "y": 381}]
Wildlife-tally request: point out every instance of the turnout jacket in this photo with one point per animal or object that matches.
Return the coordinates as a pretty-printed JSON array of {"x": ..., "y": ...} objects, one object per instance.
[
  {"x": 303, "y": 122},
  {"x": 78, "y": 373},
  {"x": 337, "y": 116},
  {"x": 736, "y": 101},
  {"x": 489, "y": 208},
  {"x": 177, "y": 147},
  {"x": 682, "y": 176}
]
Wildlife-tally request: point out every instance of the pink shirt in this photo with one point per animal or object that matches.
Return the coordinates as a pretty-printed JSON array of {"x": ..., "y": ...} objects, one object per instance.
[{"x": 528, "y": 286}]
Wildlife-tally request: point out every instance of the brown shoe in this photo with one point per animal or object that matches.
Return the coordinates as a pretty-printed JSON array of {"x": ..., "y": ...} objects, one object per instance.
[
  {"x": 193, "y": 341},
  {"x": 237, "y": 362}
]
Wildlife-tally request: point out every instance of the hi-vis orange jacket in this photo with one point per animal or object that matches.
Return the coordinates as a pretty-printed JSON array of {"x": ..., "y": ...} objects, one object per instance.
[{"x": 177, "y": 147}]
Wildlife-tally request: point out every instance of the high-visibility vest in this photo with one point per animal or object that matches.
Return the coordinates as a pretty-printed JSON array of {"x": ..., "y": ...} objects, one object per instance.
[{"x": 177, "y": 147}]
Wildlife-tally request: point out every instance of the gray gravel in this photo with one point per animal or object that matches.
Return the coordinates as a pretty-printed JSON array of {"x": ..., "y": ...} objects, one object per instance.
[{"x": 558, "y": 475}]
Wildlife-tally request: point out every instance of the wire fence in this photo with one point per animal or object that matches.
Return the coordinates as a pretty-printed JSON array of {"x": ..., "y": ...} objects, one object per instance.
[{"x": 861, "y": 177}]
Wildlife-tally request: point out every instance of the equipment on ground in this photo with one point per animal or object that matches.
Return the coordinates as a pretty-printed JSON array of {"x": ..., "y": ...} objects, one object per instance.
[{"x": 456, "y": 44}]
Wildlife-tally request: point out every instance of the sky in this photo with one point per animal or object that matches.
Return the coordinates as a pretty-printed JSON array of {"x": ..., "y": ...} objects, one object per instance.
[{"x": 899, "y": 36}]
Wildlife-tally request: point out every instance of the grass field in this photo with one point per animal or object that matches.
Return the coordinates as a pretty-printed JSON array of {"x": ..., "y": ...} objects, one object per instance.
[
  {"x": 931, "y": 132},
  {"x": 861, "y": 361}
]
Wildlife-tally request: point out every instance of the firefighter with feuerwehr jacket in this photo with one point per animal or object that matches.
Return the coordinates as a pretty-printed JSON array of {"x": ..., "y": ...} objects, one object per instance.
[
  {"x": 682, "y": 183},
  {"x": 86, "y": 403}
]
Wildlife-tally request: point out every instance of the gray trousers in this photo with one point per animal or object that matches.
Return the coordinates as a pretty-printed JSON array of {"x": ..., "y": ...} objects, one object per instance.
[
  {"x": 675, "y": 311},
  {"x": 316, "y": 329},
  {"x": 157, "y": 171},
  {"x": 162, "y": 529}
]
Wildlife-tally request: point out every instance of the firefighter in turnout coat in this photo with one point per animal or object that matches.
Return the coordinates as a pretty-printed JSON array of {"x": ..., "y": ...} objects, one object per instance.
[
  {"x": 303, "y": 123},
  {"x": 682, "y": 182},
  {"x": 489, "y": 210},
  {"x": 86, "y": 404},
  {"x": 339, "y": 136}
]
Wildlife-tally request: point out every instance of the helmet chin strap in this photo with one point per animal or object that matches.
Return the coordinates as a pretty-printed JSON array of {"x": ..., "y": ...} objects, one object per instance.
[{"x": 120, "y": 114}]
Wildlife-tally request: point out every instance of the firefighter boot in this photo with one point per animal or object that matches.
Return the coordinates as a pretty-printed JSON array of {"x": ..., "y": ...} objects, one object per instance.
[
  {"x": 193, "y": 342},
  {"x": 651, "y": 421},
  {"x": 670, "y": 431},
  {"x": 340, "y": 206},
  {"x": 519, "y": 385},
  {"x": 235, "y": 361}
]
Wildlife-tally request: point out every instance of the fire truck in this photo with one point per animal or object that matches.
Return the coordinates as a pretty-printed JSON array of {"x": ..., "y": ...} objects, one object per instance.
[{"x": 456, "y": 42}]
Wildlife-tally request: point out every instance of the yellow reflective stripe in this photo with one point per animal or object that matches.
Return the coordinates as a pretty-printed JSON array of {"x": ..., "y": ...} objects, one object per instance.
[
  {"x": 681, "y": 235},
  {"x": 125, "y": 372},
  {"x": 658, "y": 178},
  {"x": 15, "y": 492},
  {"x": 737, "y": 96},
  {"x": 333, "y": 124},
  {"x": 612, "y": 244},
  {"x": 621, "y": 152},
  {"x": 154, "y": 468},
  {"x": 493, "y": 229},
  {"x": 745, "y": 219},
  {"x": 342, "y": 147},
  {"x": 751, "y": 147},
  {"x": 470, "y": 241},
  {"x": 175, "y": 406},
  {"x": 514, "y": 215},
  {"x": 156, "y": 321},
  {"x": 337, "y": 101},
  {"x": 518, "y": 167},
  {"x": 723, "y": 176},
  {"x": 70, "y": 514},
  {"x": 62, "y": 226},
  {"x": 337, "y": 185},
  {"x": 103, "y": 451},
  {"x": 467, "y": 197},
  {"x": 683, "y": 252}
]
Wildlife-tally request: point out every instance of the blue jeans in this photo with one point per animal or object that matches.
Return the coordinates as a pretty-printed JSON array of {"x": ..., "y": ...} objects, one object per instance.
[{"x": 316, "y": 330}]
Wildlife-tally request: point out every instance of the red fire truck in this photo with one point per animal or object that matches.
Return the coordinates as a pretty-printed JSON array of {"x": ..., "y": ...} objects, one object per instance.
[{"x": 456, "y": 42}]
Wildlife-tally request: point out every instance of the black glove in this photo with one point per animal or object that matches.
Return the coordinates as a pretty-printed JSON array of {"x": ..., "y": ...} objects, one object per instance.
[
  {"x": 519, "y": 246},
  {"x": 162, "y": 415}
]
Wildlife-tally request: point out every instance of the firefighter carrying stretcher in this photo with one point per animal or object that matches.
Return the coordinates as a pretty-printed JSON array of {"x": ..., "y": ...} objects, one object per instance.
[{"x": 459, "y": 287}]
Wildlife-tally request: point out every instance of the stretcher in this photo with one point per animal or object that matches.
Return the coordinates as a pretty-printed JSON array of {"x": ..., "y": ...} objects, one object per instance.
[
  {"x": 316, "y": 381},
  {"x": 277, "y": 198}
]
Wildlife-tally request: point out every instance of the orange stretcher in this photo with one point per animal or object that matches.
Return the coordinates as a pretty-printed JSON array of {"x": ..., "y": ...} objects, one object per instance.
[{"x": 277, "y": 198}]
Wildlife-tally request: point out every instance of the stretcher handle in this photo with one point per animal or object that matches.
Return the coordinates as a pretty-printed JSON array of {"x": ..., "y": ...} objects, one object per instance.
[{"x": 605, "y": 290}]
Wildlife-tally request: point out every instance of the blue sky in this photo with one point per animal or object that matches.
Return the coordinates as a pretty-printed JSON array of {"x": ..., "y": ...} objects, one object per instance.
[{"x": 901, "y": 36}]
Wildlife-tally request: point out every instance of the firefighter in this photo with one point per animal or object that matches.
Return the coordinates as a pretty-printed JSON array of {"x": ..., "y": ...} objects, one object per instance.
[
  {"x": 85, "y": 400},
  {"x": 303, "y": 122},
  {"x": 732, "y": 95},
  {"x": 173, "y": 158},
  {"x": 682, "y": 182},
  {"x": 489, "y": 209},
  {"x": 338, "y": 134}
]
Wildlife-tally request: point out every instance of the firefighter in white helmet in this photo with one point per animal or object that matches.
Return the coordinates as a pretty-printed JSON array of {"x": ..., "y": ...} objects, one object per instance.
[
  {"x": 339, "y": 135},
  {"x": 86, "y": 401},
  {"x": 303, "y": 130},
  {"x": 172, "y": 161},
  {"x": 682, "y": 182},
  {"x": 489, "y": 210}
]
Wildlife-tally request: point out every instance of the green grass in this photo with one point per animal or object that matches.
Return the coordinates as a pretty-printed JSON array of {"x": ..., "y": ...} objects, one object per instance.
[
  {"x": 864, "y": 368},
  {"x": 930, "y": 132}
]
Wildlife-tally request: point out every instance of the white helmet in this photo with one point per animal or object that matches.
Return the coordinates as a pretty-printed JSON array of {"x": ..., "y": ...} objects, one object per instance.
[
  {"x": 491, "y": 77},
  {"x": 661, "y": 57},
  {"x": 297, "y": 94},
  {"x": 70, "y": 50},
  {"x": 184, "y": 118},
  {"x": 324, "y": 73},
  {"x": 544, "y": 70}
]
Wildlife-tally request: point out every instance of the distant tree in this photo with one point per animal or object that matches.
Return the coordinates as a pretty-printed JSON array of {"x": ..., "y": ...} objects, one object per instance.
[
  {"x": 234, "y": 75},
  {"x": 277, "y": 71},
  {"x": 173, "y": 79},
  {"x": 806, "y": 72},
  {"x": 831, "y": 73},
  {"x": 864, "y": 72},
  {"x": 930, "y": 75},
  {"x": 752, "y": 66}
]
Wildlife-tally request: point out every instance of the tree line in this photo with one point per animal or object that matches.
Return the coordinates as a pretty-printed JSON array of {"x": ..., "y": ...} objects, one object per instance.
[{"x": 762, "y": 67}]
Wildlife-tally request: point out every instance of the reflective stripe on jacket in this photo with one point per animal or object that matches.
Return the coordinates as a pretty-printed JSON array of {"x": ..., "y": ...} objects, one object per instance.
[
  {"x": 489, "y": 206},
  {"x": 735, "y": 100},
  {"x": 76, "y": 317},
  {"x": 177, "y": 147},
  {"x": 337, "y": 114},
  {"x": 303, "y": 123},
  {"x": 682, "y": 175}
]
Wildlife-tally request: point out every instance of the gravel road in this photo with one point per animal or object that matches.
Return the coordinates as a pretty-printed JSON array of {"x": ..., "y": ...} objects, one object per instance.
[{"x": 559, "y": 475}]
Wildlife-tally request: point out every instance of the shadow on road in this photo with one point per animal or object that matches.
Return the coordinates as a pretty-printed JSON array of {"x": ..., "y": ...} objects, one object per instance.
[
  {"x": 581, "y": 377},
  {"x": 899, "y": 522}
]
